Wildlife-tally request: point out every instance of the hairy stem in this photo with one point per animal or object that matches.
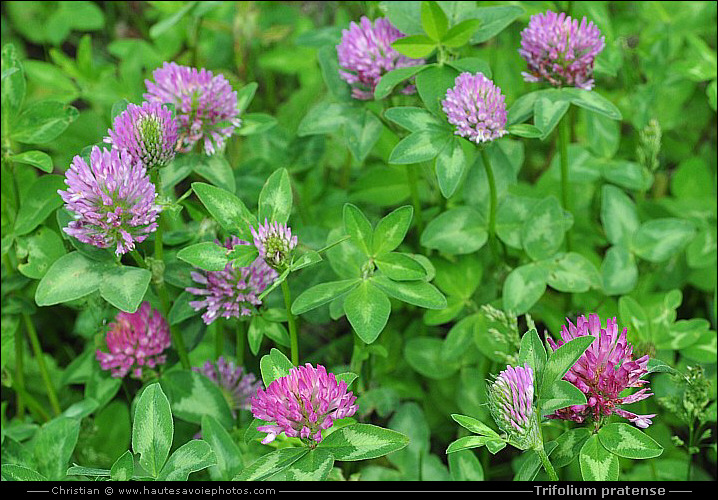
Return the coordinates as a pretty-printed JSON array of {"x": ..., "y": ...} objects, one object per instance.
[
  {"x": 291, "y": 322},
  {"x": 493, "y": 201}
]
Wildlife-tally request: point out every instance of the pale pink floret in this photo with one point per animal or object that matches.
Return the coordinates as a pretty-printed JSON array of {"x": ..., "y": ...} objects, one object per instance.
[
  {"x": 560, "y": 50},
  {"x": 365, "y": 54},
  {"x": 237, "y": 385},
  {"x": 112, "y": 200},
  {"x": 274, "y": 242},
  {"x": 603, "y": 372},
  {"x": 511, "y": 401},
  {"x": 205, "y": 104},
  {"x": 302, "y": 404},
  {"x": 135, "y": 341}
]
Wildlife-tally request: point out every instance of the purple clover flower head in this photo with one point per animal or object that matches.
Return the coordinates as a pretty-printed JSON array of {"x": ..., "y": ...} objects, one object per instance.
[
  {"x": 302, "y": 403},
  {"x": 603, "y": 372},
  {"x": 147, "y": 132},
  {"x": 232, "y": 292},
  {"x": 205, "y": 105},
  {"x": 135, "y": 341},
  {"x": 112, "y": 199},
  {"x": 236, "y": 385},
  {"x": 476, "y": 107},
  {"x": 274, "y": 243},
  {"x": 365, "y": 54},
  {"x": 511, "y": 401},
  {"x": 560, "y": 51}
]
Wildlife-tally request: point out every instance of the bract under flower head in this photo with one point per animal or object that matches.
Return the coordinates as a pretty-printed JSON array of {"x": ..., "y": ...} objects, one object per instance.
[
  {"x": 147, "y": 132},
  {"x": 112, "y": 199},
  {"x": 476, "y": 107},
  {"x": 603, "y": 372},
  {"x": 205, "y": 104},
  {"x": 236, "y": 385},
  {"x": 365, "y": 54},
  {"x": 135, "y": 341},
  {"x": 274, "y": 243},
  {"x": 302, "y": 403},
  {"x": 512, "y": 405},
  {"x": 560, "y": 51},
  {"x": 232, "y": 292}
]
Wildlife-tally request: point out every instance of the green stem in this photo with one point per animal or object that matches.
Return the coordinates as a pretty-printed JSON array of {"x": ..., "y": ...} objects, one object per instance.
[
  {"x": 19, "y": 382},
  {"x": 414, "y": 189},
  {"x": 241, "y": 336},
  {"x": 218, "y": 338},
  {"x": 291, "y": 321},
  {"x": 41, "y": 364},
  {"x": 565, "y": 185},
  {"x": 33, "y": 404},
  {"x": 546, "y": 463},
  {"x": 493, "y": 201},
  {"x": 138, "y": 259}
]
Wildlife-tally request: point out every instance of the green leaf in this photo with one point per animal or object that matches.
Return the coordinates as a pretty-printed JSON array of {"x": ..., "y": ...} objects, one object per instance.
[
  {"x": 604, "y": 135},
  {"x": 321, "y": 294},
  {"x": 39, "y": 202},
  {"x": 314, "y": 466},
  {"x": 468, "y": 442},
  {"x": 245, "y": 96},
  {"x": 415, "y": 46},
  {"x": 362, "y": 442},
  {"x": 391, "y": 230},
  {"x": 450, "y": 167},
  {"x": 626, "y": 441},
  {"x": 53, "y": 446},
  {"x": 510, "y": 217},
  {"x": 400, "y": 267},
  {"x": 471, "y": 65},
  {"x": 152, "y": 429},
  {"x": 226, "y": 451},
  {"x": 592, "y": 101},
  {"x": 124, "y": 287},
  {"x": 71, "y": 277},
  {"x": 13, "y": 86},
  {"x": 432, "y": 85},
  {"x": 420, "y": 146},
  {"x": 433, "y": 20},
  {"x": 493, "y": 20},
  {"x": 525, "y": 130},
  {"x": 619, "y": 273},
  {"x": 569, "y": 446},
  {"x": 15, "y": 472},
  {"x": 206, "y": 255},
  {"x": 275, "y": 199},
  {"x": 118, "y": 108},
  {"x": 464, "y": 466},
  {"x": 474, "y": 425},
  {"x": 572, "y": 273},
  {"x": 542, "y": 233},
  {"x": 256, "y": 123},
  {"x": 659, "y": 239},
  {"x": 418, "y": 293},
  {"x": 548, "y": 113},
  {"x": 459, "y": 231},
  {"x": 533, "y": 352},
  {"x": 240, "y": 255},
  {"x": 43, "y": 121},
  {"x": 414, "y": 119},
  {"x": 424, "y": 355},
  {"x": 192, "y": 456},
  {"x": 523, "y": 287},
  {"x": 164, "y": 25},
  {"x": 461, "y": 33},
  {"x": 273, "y": 366},
  {"x": 560, "y": 361},
  {"x": 216, "y": 170},
  {"x": 324, "y": 118},
  {"x": 192, "y": 395},
  {"x": 124, "y": 467},
  {"x": 362, "y": 131},
  {"x": 38, "y": 159},
  {"x": 561, "y": 395},
  {"x": 618, "y": 215},
  {"x": 43, "y": 248},
  {"x": 597, "y": 463},
  {"x": 358, "y": 227},
  {"x": 367, "y": 309},
  {"x": 270, "y": 464},
  {"x": 393, "y": 78},
  {"x": 226, "y": 209}
]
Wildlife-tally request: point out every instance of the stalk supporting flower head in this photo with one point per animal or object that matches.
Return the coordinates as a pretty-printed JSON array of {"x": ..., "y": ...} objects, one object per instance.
[
  {"x": 135, "y": 341},
  {"x": 147, "y": 132},
  {"x": 302, "y": 403},
  {"x": 511, "y": 401},
  {"x": 206, "y": 105},
  {"x": 365, "y": 54},
  {"x": 112, "y": 199},
  {"x": 274, "y": 243},
  {"x": 560, "y": 50},
  {"x": 603, "y": 372},
  {"x": 232, "y": 292},
  {"x": 236, "y": 385},
  {"x": 476, "y": 107}
]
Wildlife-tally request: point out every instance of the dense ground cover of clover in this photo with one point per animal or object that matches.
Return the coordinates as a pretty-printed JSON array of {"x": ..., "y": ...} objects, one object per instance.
[{"x": 442, "y": 240}]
